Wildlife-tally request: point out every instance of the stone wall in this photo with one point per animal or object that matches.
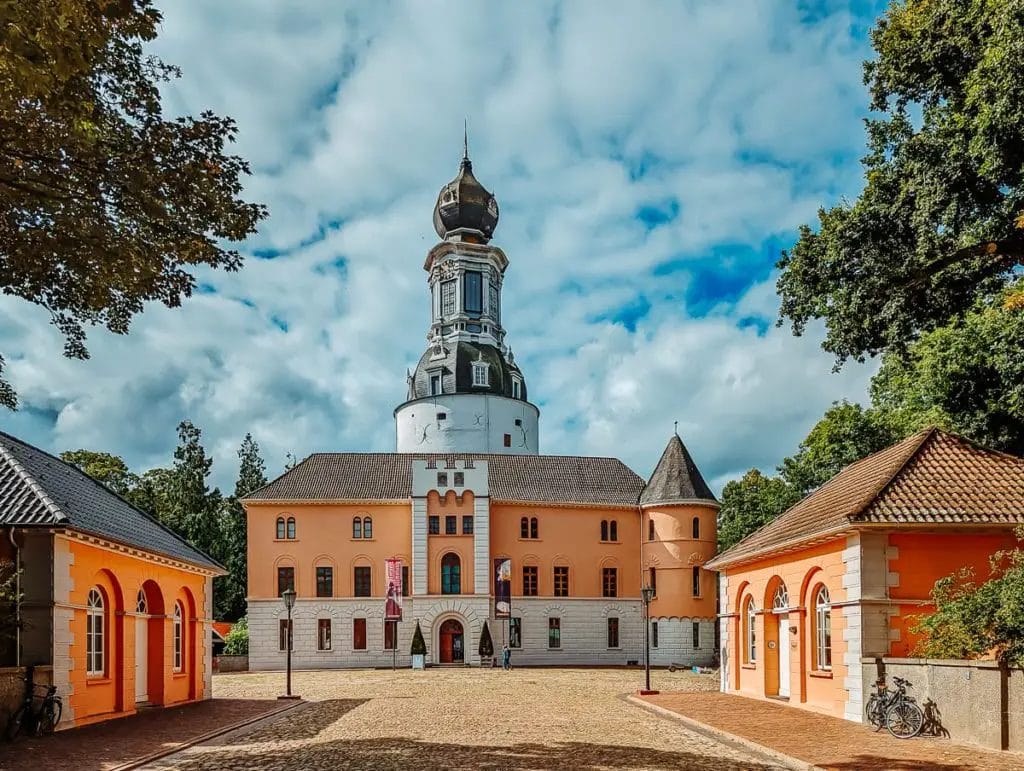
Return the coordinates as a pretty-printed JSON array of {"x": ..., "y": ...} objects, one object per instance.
[
  {"x": 977, "y": 702},
  {"x": 675, "y": 642},
  {"x": 12, "y": 687},
  {"x": 231, "y": 663}
]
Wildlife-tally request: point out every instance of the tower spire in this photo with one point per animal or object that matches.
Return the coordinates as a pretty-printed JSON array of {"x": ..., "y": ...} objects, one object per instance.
[{"x": 465, "y": 139}]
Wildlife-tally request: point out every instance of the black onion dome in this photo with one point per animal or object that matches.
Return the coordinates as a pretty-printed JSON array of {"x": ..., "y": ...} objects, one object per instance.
[
  {"x": 455, "y": 365},
  {"x": 465, "y": 203}
]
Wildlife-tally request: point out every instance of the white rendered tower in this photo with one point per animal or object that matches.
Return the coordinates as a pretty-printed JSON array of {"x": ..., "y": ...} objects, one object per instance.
[{"x": 467, "y": 394}]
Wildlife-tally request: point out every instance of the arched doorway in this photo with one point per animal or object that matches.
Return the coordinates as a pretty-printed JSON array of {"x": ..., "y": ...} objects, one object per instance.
[
  {"x": 149, "y": 644},
  {"x": 780, "y": 611},
  {"x": 451, "y": 643}
]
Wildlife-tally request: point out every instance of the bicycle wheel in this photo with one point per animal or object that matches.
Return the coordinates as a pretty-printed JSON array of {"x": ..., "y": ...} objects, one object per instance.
[
  {"x": 50, "y": 716},
  {"x": 872, "y": 710},
  {"x": 904, "y": 720},
  {"x": 14, "y": 723}
]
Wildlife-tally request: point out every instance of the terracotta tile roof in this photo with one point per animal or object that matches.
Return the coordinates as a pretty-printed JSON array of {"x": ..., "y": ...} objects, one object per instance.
[
  {"x": 388, "y": 476},
  {"x": 676, "y": 477},
  {"x": 37, "y": 489},
  {"x": 930, "y": 477}
]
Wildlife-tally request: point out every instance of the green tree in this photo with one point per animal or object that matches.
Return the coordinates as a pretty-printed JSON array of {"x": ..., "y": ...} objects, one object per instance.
[
  {"x": 105, "y": 204},
  {"x": 418, "y": 647},
  {"x": 973, "y": 620},
  {"x": 967, "y": 377},
  {"x": 230, "y": 590},
  {"x": 237, "y": 641},
  {"x": 749, "y": 503},
  {"x": 9, "y": 599},
  {"x": 186, "y": 504},
  {"x": 939, "y": 222},
  {"x": 109, "y": 470},
  {"x": 486, "y": 648},
  {"x": 845, "y": 434}
]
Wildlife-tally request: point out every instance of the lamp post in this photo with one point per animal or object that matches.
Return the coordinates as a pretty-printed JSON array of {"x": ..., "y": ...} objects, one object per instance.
[
  {"x": 288, "y": 595},
  {"x": 647, "y": 594}
]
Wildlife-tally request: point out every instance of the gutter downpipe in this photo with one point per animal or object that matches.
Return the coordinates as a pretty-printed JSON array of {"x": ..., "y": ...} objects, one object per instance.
[{"x": 17, "y": 597}]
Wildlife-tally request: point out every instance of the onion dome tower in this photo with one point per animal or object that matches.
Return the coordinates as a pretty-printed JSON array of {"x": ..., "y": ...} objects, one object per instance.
[
  {"x": 467, "y": 394},
  {"x": 679, "y": 518}
]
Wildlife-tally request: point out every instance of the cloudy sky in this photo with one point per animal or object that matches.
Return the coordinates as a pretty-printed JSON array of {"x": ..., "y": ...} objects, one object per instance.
[{"x": 650, "y": 161}]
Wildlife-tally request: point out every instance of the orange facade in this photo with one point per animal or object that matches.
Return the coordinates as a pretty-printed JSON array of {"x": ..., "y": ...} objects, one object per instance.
[
  {"x": 676, "y": 542},
  {"x": 129, "y": 628}
]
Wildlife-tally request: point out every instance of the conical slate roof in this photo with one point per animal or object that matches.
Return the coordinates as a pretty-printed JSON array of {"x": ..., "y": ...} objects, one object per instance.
[{"x": 676, "y": 478}]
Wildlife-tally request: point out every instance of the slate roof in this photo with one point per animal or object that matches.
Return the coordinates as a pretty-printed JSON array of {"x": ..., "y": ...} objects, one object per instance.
[
  {"x": 676, "y": 477},
  {"x": 455, "y": 365},
  {"x": 37, "y": 489},
  {"x": 932, "y": 477},
  {"x": 388, "y": 476}
]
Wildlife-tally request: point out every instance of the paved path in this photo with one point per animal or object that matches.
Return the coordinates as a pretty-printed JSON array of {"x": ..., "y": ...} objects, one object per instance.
[
  {"x": 464, "y": 718},
  {"x": 829, "y": 742}
]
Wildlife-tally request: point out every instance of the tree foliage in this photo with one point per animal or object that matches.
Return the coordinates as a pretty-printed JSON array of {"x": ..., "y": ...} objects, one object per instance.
[
  {"x": 418, "y": 647},
  {"x": 231, "y": 589},
  {"x": 237, "y": 641},
  {"x": 939, "y": 222},
  {"x": 974, "y": 620},
  {"x": 486, "y": 648},
  {"x": 111, "y": 470},
  {"x": 105, "y": 204},
  {"x": 9, "y": 599},
  {"x": 750, "y": 503}
]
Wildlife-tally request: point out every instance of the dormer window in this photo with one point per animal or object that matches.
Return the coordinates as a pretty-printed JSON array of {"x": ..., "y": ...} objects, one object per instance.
[
  {"x": 517, "y": 388},
  {"x": 480, "y": 373},
  {"x": 435, "y": 385}
]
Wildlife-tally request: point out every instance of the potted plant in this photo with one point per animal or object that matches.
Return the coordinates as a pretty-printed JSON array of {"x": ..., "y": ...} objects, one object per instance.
[
  {"x": 418, "y": 649},
  {"x": 486, "y": 646}
]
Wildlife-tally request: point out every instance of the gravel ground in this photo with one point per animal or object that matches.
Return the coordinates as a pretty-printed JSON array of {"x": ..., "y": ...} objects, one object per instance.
[{"x": 465, "y": 718}]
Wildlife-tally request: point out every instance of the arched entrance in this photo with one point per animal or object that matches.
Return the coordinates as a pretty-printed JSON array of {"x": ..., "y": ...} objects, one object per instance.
[
  {"x": 777, "y": 630},
  {"x": 451, "y": 642}
]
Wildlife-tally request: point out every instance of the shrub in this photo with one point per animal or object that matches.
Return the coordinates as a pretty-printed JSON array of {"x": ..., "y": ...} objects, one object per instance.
[
  {"x": 486, "y": 646},
  {"x": 237, "y": 641},
  {"x": 419, "y": 648}
]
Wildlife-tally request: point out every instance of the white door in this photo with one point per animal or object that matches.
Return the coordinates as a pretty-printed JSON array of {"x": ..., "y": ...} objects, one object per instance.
[
  {"x": 784, "y": 656},
  {"x": 141, "y": 658}
]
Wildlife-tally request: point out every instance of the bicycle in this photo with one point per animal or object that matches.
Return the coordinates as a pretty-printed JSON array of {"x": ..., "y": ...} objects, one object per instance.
[
  {"x": 36, "y": 721},
  {"x": 895, "y": 710}
]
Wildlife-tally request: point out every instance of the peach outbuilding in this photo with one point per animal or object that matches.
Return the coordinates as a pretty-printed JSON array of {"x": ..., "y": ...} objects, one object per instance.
[
  {"x": 117, "y": 604},
  {"x": 844, "y": 574}
]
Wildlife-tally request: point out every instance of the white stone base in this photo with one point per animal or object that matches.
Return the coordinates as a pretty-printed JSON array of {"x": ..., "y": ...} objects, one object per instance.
[{"x": 675, "y": 642}]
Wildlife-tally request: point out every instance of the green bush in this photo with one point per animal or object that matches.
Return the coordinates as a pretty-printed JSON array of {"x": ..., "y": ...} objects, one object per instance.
[
  {"x": 486, "y": 646},
  {"x": 419, "y": 648},
  {"x": 237, "y": 641}
]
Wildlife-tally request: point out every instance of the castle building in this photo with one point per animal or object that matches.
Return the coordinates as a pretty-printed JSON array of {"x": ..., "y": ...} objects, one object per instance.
[{"x": 467, "y": 487}]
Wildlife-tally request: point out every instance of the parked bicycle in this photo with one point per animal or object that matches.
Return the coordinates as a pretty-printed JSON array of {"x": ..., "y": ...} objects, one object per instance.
[
  {"x": 895, "y": 710},
  {"x": 33, "y": 720}
]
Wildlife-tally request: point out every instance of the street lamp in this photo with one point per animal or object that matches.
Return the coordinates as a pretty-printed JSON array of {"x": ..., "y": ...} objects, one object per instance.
[
  {"x": 647, "y": 594},
  {"x": 288, "y": 595}
]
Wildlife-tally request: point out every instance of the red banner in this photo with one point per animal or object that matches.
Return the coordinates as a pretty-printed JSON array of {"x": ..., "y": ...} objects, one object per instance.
[{"x": 393, "y": 603}]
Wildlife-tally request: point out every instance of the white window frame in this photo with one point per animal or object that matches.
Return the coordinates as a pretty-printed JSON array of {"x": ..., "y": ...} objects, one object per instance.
[
  {"x": 481, "y": 376},
  {"x": 449, "y": 299},
  {"x": 517, "y": 388},
  {"x": 178, "y": 640},
  {"x": 823, "y": 629},
  {"x": 95, "y": 645},
  {"x": 323, "y": 644},
  {"x": 436, "y": 384},
  {"x": 750, "y": 612}
]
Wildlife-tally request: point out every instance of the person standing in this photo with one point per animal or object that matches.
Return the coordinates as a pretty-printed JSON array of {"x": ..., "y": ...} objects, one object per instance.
[{"x": 506, "y": 658}]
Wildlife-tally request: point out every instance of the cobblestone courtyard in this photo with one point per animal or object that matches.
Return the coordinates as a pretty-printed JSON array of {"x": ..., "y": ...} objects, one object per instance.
[{"x": 464, "y": 718}]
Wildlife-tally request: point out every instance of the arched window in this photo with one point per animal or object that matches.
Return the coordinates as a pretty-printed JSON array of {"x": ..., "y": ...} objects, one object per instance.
[
  {"x": 750, "y": 631},
  {"x": 604, "y": 529},
  {"x": 696, "y": 528},
  {"x": 524, "y": 528},
  {"x": 451, "y": 574},
  {"x": 177, "y": 637},
  {"x": 367, "y": 527},
  {"x": 781, "y": 599},
  {"x": 291, "y": 528},
  {"x": 280, "y": 528},
  {"x": 650, "y": 529},
  {"x": 95, "y": 633},
  {"x": 357, "y": 527},
  {"x": 613, "y": 530},
  {"x": 533, "y": 527},
  {"x": 823, "y": 629}
]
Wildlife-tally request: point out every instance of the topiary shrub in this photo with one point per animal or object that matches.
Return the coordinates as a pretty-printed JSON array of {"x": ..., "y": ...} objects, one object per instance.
[
  {"x": 419, "y": 648},
  {"x": 486, "y": 646}
]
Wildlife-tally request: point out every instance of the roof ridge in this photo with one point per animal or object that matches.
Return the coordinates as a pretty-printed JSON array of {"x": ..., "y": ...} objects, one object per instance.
[
  {"x": 926, "y": 435},
  {"x": 59, "y": 514}
]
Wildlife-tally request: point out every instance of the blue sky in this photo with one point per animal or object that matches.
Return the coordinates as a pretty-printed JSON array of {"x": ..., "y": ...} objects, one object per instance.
[{"x": 650, "y": 162}]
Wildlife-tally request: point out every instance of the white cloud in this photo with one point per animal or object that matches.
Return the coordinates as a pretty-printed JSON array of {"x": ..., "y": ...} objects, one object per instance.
[{"x": 743, "y": 114}]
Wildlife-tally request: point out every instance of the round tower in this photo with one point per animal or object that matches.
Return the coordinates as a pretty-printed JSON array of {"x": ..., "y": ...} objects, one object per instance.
[
  {"x": 466, "y": 394},
  {"x": 679, "y": 520}
]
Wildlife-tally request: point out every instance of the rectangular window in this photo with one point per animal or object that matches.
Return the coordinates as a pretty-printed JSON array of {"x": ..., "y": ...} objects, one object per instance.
[
  {"x": 561, "y": 581},
  {"x": 696, "y": 634},
  {"x": 450, "y": 523},
  {"x": 515, "y": 633},
  {"x": 473, "y": 292},
  {"x": 434, "y": 524},
  {"x": 507, "y": 440},
  {"x": 517, "y": 388},
  {"x": 390, "y": 635},
  {"x": 323, "y": 634},
  {"x": 467, "y": 524},
  {"x": 654, "y": 634},
  {"x": 359, "y": 634},
  {"x": 696, "y": 581},
  {"x": 325, "y": 582},
  {"x": 554, "y": 633},
  {"x": 529, "y": 580},
  {"x": 492, "y": 303},
  {"x": 285, "y": 580},
  {"x": 610, "y": 582},
  {"x": 613, "y": 633},
  {"x": 283, "y": 634},
  {"x": 654, "y": 580},
  {"x": 406, "y": 586},
  {"x": 460, "y": 479},
  {"x": 435, "y": 385},
  {"x": 442, "y": 478},
  {"x": 448, "y": 298},
  {"x": 362, "y": 582}
]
